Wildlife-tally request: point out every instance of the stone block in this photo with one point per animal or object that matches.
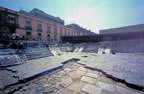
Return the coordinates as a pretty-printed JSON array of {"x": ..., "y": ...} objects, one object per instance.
[
  {"x": 107, "y": 80},
  {"x": 108, "y": 92},
  {"x": 82, "y": 69},
  {"x": 66, "y": 82},
  {"x": 91, "y": 75},
  {"x": 67, "y": 69},
  {"x": 88, "y": 80},
  {"x": 91, "y": 89},
  {"x": 76, "y": 86},
  {"x": 93, "y": 71},
  {"x": 80, "y": 72},
  {"x": 122, "y": 90},
  {"x": 75, "y": 75},
  {"x": 106, "y": 86},
  {"x": 79, "y": 92},
  {"x": 63, "y": 91}
]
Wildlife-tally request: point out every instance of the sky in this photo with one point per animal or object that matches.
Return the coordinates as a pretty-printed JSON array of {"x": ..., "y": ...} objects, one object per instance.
[{"x": 90, "y": 14}]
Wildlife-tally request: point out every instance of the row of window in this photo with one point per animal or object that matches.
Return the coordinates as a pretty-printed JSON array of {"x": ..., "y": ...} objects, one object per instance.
[
  {"x": 48, "y": 18},
  {"x": 39, "y": 36},
  {"x": 39, "y": 28}
]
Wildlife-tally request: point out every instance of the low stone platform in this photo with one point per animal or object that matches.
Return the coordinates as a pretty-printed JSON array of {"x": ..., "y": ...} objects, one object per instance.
[
  {"x": 32, "y": 68},
  {"x": 127, "y": 67},
  {"x": 124, "y": 68},
  {"x": 73, "y": 79}
]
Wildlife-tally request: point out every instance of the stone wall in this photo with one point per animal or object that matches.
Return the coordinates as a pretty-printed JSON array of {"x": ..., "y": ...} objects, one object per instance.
[
  {"x": 91, "y": 47},
  {"x": 128, "y": 46},
  {"x": 6, "y": 60}
]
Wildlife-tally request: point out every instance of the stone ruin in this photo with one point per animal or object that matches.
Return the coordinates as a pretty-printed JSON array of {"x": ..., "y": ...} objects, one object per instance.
[{"x": 20, "y": 62}]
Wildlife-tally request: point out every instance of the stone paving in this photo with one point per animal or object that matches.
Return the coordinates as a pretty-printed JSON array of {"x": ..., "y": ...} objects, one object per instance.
[
  {"x": 128, "y": 67},
  {"x": 74, "y": 78},
  {"x": 12, "y": 75}
]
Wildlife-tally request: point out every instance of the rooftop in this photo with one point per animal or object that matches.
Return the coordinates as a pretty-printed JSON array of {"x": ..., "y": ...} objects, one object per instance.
[
  {"x": 125, "y": 29},
  {"x": 42, "y": 15}
]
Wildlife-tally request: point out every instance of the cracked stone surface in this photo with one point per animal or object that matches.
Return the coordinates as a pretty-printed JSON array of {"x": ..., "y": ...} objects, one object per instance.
[
  {"x": 66, "y": 82},
  {"x": 106, "y": 86},
  {"x": 61, "y": 82},
  {"x": 117, "y": 65},
  {"x": 108, "y": 92},
  {"x": 91, "y": 75},
  {"x": 76, "y": 86},
  {"x": 122, "y": 90},
  {"x": 88, "y": 79},
  {"x": 128, "y": 67},
  {"x": 63, "y": 91},
  {"x": 91, "y": 89}
]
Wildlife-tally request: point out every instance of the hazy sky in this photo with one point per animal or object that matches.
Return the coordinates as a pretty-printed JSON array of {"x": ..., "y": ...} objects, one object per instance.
[{"x": 91, "y": 14}]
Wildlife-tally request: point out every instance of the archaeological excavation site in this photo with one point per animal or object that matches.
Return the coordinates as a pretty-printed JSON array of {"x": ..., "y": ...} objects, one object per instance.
[{"x": 39, "y": 54}]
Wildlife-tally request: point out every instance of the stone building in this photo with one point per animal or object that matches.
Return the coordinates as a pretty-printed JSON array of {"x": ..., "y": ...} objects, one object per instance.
[
  {"x": 8, "y": 22},
  {"x": 80, "y": 30},
  {"x": 37, "y": 25},
  {"x": 124, "y": 39}
]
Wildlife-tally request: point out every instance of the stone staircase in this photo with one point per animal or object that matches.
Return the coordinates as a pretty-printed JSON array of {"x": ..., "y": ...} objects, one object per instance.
[
  {"x": 37, "y": 52},
  {"x": 93, "y": 48}
]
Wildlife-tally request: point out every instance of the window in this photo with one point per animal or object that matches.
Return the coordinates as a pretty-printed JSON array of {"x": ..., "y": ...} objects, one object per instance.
[
  {"x": 28, "y": 24},
  {"x": 55, "y": 37},
  {"x": 39, "y": 27},
  {"x": 48, "y": 29},
  {"x": 28, "y": 33},
  {"x": 68, "y": 33},
  {"x": 65, "y": 33},
  {"x": 11, "y": 20},
  {"x": 48, "y": 37},
  {"x": 39, "y": 34},
  {"x": 61, "y": 32},
  {"x": 55, "y": 31}
]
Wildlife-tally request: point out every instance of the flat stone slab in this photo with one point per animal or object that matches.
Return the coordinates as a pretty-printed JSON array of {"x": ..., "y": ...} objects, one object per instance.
[
  {"x": 76, "y": 86},
  {"x": 122, "y": 90},
  {"x": 75, "y": 75},
  {"x": 80, "y": 72},
  {"x": 91, "y": 89},
  {"x": 82, "y": 69},
  {"x": 106, "y": 80},
  {"x": 63, "y": 91},
  {"x": 94, "y": 72},
  {"x": 91, "y": 75},
  {"x": 37, "y": 66},
  {"x": 33, "y": 68},
  {"x": 6, "y": 60},
  {"x": 108, "y": 92},
  {"x": 66, "y": 82},
  {"x": 6, "y": 78},
  {"x": 88, "y": 79},
  {"x": 123, "y": 66},
  {"x": 128, "y": 67},
  {"x": 60, "y": 82},
  {"x": 106, "y": 86}
]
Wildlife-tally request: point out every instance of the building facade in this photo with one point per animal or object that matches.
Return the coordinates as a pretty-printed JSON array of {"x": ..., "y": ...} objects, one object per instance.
[
  {"x": 8, "y": 22},
  {"x": 80, "y": 30},
  {"x": 38, "y": 25},
  {"x": 127, "y": 39}
]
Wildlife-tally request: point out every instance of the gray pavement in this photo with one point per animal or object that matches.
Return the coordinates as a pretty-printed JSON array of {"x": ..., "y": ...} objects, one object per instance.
[
  {"x": 63, "y": 82},
  {"x": 128, "y": 67}
]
